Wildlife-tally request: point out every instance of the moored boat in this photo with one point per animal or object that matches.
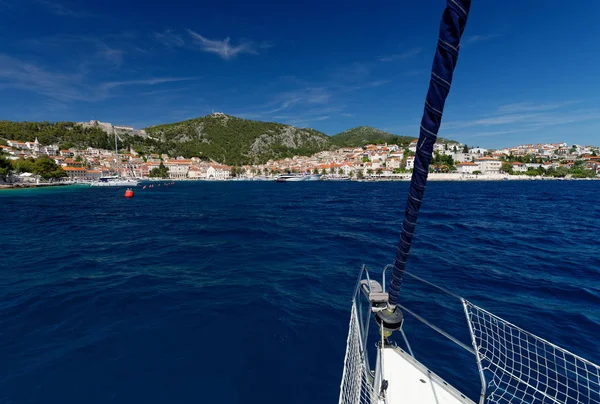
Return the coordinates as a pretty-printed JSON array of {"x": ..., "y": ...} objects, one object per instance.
[
  {"x": 115, "y": 181},
  {"x": 290, "y": 178}
]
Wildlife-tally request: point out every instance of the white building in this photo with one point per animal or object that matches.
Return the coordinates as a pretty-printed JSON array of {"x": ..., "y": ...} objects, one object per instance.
[
  {"x": 489, "y": 165},
  {"x": 413, "y": 146},
  {"x": 478, "y": 150},
  {"x": 196, "y": 173},
  {"x": 177, "y": 171},
  {"x": 410, "y": 163},
  {"x": 467, "y": 168},
  {"x": 393, "y": 163},
  {"x": 462, "y": 157},
  {"x": 218, "y": 172},
  {"x": 519, "y": 167}
]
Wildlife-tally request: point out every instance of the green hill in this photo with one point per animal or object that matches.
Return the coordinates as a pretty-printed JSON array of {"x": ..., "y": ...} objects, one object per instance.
[
  {"x": 218, "y": 137},
  {"x": 363, "y": 135},
  {"x": 237, "y": 141},
  {"x": 65, "y": 134}
]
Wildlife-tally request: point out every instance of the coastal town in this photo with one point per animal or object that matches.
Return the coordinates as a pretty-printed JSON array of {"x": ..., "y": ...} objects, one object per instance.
[{"x": 373, "y": 161}]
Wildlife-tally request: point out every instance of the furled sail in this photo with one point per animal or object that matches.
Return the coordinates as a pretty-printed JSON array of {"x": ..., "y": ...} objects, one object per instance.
[{"x": 454, "y": 20}]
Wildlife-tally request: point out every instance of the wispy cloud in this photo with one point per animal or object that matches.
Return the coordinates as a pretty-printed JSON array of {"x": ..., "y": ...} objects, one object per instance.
[
  {"x": 530, "y": 106},
  {"x": 86, "y": 51},
  {"x": 17, "y": 74},
  {"x": 522, "y": 117},
  {"x": 401, "y": 56},
  {"x": 62, "y": 10},
  {"x": 479, "y": 38},
  {"x": 168, "y": 38},
  {"x": 347, "y": 115},
  {"x": 145, "y": 82},
  {"x": 66, "y": 87},
  {"x": 304, "y": 96},
  {"x": 223, "y": 47},
  {"x": 350, "y": 73},
  {"x": 111, "y": 55}
]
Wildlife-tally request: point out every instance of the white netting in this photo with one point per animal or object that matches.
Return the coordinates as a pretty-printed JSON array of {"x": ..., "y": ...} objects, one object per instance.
[
  {"x": 355, "y": 387},
  {"x": 522, "y": 368}
]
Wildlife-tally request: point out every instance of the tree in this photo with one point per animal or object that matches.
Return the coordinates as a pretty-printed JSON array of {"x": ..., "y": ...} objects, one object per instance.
[
  {"x": 323, "y": 172},
  {"x": 5, "y": 168},
  {"x": 46, "y": 168},
  {"x": 316, "y": 171},
  {"x": 365, "y": 159},
  {"x": 159, "y": 172},
  {"x": 359, "y": 174},
  {"x": 476, "y": 172},
  {"x": 369, "y": 171},
  {"x": 465, "y": 149},
  {"x": 379, "y": 171},
  {"x": 24, "y": 165},
  {"x": 351, "y": 174},
  {"x": 331, "y": 170},
  {"x": 340, "y": 171},
  {"x": 507, "y": 167},
  {"x": 455, "y": 149}
]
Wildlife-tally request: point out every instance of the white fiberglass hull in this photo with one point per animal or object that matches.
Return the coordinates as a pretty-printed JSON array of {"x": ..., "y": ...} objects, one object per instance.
[{"x": 116, "y": 183}]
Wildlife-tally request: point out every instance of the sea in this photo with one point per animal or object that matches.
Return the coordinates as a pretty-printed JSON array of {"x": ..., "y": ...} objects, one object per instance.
[{"x": 240, "y": 292}]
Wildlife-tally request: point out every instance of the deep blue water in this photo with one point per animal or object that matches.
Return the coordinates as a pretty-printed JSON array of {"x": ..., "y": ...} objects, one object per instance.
[{"x": 240, "y": 292}]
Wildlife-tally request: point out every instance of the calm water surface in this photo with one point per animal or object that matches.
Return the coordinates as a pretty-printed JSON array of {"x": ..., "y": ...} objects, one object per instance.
[{"x": 240, "y": 292}]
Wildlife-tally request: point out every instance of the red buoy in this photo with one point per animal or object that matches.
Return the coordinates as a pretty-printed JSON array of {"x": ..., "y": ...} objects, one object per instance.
[{"x": 129, "y": 193}]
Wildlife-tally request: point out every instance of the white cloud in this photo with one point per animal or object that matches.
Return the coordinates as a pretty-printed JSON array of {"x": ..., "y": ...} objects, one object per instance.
[
  {"x": 401, "y": 56},
  {"x": 145, "y": 82},
  {"x": 111, "y": 55},
  {"x": 478, "y": 38},
  {"x": 65, "y": 87},
  {"x": 529, "y": 106},
  {"x": 62, "y": 10},
  {"x": 168, "y": 38},
  {"x": 223, "y": 48}
]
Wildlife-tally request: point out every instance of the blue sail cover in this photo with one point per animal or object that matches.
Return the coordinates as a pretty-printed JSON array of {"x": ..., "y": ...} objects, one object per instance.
[{"x": 452, "y": 26}]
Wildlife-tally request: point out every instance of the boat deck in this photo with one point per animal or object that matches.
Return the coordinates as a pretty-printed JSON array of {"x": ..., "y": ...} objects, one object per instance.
[{"x": 411, "y": 382}]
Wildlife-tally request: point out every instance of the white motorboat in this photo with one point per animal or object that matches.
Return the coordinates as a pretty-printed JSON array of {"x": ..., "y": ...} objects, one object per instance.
[{"x": 115, "y": 181}]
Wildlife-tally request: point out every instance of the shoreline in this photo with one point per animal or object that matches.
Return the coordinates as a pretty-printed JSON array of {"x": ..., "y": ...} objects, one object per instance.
[{"x": 29, "y": 186}]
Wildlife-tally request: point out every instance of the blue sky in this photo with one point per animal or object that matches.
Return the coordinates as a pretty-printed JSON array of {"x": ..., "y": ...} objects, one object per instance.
[{"x": 528, "y": 70}]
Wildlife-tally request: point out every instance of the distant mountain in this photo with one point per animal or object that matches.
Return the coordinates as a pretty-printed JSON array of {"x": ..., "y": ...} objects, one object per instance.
[
  {"x": 237, "y": 141},
  {"x": 217, "y": 137},
  {"x": 363, "y": 135}
]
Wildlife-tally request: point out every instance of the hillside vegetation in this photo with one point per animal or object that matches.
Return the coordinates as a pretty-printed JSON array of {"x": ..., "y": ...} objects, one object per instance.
[
  {"x": 237, "y": 141},
  {"x": 217, "y": 137},
  {"x": 363, "y": 135},
  {"x": 65, "y": 134}
]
